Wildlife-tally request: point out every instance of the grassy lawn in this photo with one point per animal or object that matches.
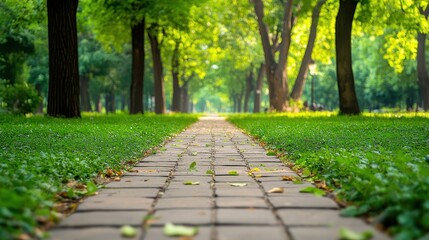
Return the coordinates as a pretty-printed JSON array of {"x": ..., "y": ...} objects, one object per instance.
[
  {"x": 379, "y": 164},
  {"x": 43, "y": 160}
]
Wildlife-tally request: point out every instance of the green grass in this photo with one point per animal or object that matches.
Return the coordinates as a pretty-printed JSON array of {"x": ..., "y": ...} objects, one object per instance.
[
  {"x": 39, "y": 155},
  {"x": 377, "y": 163}
]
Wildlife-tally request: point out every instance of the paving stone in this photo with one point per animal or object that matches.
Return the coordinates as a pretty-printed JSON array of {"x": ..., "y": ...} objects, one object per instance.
[
  {"x": 95, "y": 233},
  {"x": 138, "y": 182},
  {"x": 223, "y": 179},
  {"x": 330, "y": 233},
  {"x": 251, "y": 233},
  {"x": 317, "y": 217},
  {"x": 156, "y": 233},
  {"x": 241, "y": 202},
  {"x": 104, "y": 218},
  {"x": 302, "y": 202},
  {"x": 127, "y": 193},
  {"x": 182, "y": 216},
  {"x": 115, "y": 203},
  {"x": 245, "y": 216},
  {"x": 184, "y": 203},
  {"x": 191, "y": 191},
  {"x": 202, "y": 179},
  {"x": 238, "y": 192}
]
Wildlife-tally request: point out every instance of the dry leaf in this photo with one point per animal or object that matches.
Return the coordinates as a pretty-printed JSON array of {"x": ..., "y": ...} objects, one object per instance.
[
  {"x": 117, "y": 179},
  {"x": 255, "y": 169},
  {"x": 276, "y": 190},
  {"x": 289, "y": 178},
  {"x": 238, "y": 184},
  {"x": 109, "y": 172}
]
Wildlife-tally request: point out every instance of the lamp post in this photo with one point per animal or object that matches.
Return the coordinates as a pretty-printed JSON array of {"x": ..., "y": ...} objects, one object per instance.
[{"x": 312, "y": 69}]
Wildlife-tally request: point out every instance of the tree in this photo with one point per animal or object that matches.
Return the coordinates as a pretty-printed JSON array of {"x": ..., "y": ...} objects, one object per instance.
[
  {"x": 422, "y": 71},
  {"x": 298, "y": 87},
  {"x": 63, "y": 96},
  {"x": 138, "y": 55},
  {"x": 276, "y": 70},
  {"x": 158, "y": 72},
  {"x": 258, "y": 89},
  {"x": 345, "y": 79}
]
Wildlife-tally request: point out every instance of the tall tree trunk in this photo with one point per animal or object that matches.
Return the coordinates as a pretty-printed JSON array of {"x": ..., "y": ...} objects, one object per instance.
[
  {"x": 176, "y": 101},
  {"x": 39, "y": 109},
  {"x": 422, "y": 71},
  {"x": 136, "y": 89},
  {"x": 157, "y": 71},
  {"x": 124, "y": 102},
  {"x": 63, "y": 96},
  {"x": 110, "y": 102},
  {"x": 249, "y": 88},
  {"x": 276, "y": 72},
  {"x": 346, "y": 84},
  {"x": 98, "y": 105},
  {"x": 185, "y": 99},
  {"x": 258, "y": 89},
  {"x": 85, "y": 100},
  {"x": 298, "y": 88}
]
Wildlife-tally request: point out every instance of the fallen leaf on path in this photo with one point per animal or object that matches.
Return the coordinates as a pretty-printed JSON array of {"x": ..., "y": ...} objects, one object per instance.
[
  {"x": 254, "y": 170},
  {"x": 117, "y": 179},
  {"x": 192, "y": 167},
  {"x": 315, "y": 191},
  {"x": 294, "y": 179},
  {"x": 128, "y": 231},
  {"x": 276, "y": 190},
  {"x": 238, "y": 184},
  {"x": 210, "y": 172},
  {"x": 346, "y": 234},
  {"x": 233, "y": 173},
  {"x": 172, "y": 230},
  {"x": 191, "y": 183}
]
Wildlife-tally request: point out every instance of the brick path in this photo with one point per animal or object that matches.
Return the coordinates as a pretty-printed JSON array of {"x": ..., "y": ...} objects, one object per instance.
[{"x": 221, "y": 211}]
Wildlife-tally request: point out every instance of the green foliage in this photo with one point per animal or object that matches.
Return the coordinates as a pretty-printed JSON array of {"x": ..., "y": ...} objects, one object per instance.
[
  {"x": 40, "y": 155},
  {"x": 19, "y": 98},
  {"x": 376, "y": 162}
]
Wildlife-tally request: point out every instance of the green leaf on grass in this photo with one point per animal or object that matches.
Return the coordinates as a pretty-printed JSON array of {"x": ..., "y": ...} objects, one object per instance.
[
  {"x": 209, "y": 172},
  {"x": 128, "y": 231},
  {"x": 233, "y": 173},
  {"x": 306, "y": 173},
  {"x": 172, "y": 230},
  {"x": 238, "y": 184},
  {"x": 346, "y": 234},
  {"x": 91, "y": 188},
  {"x": 271, "y": 153},
  {"x": 192, "y": 167},
  {"x": 191, "y": 183},
  {"x": 317, "y": 192}
]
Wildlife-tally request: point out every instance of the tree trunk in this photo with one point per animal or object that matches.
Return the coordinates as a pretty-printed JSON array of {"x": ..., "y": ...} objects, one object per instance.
[
  {"x": 258, "y": 89},
  {"x": 63, "y": 97},
  {"x": 136, "y": 89},
  {"x": 39, "y": 109},
  {"x": 157, "y": 71},
  {"x": 249, "y": 88},
  {"x": 422, "y": 71},
  {"x": 345, "y": 79},
  {"x": 185, "y": 99},
  {"x": 110, "y": 102},
  {"x": 298, "y": 88},
  {"x": 176, "y": 101},
  {"x": 85, "y": 100},
  {"x": 98, "y": 106},
  {"x": 276, "y": 72}
]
